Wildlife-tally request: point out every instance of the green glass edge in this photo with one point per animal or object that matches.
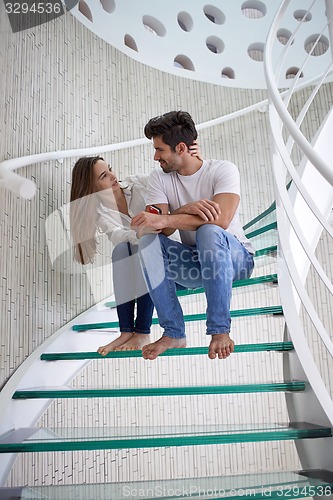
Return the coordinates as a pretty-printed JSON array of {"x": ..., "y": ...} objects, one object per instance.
[
  {"x": 261, "y": 216},
  {"x": 190, "y": 317},
  {"x": 269, "y": 278},
  {"x": 154, "y": 442},
  {"x": 188, "y": 351},
  {"x": 266, "y": 251},
  {"x": 301, "y": 492},
  {"x": 266, "y": 212},
  {"x": 261, "y": 230},
  {"x": 299, "y": 488},
  {"x": 160, "y": 391}
]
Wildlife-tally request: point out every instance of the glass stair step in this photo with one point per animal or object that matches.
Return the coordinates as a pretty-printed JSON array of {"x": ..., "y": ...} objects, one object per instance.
[
  {"x": 270, "y": 278},
  {"x": 266, "y": 251},
  {"x": 261, "y": 230},
  {"x": 158, "y": 391},
  {"x": 71, "y": 439},
  {"x": 187, "y": 351},
  {"x": 260, "y": 486},
  {"x": 257, "y": 311},
  {"x": 267, "y": 215},
  {"x": 261, "y": 216}
]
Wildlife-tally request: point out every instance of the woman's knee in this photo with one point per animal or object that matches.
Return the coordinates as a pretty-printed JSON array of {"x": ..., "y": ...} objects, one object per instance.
[
  {"x": 121, "y": 251},
  {"x": 152, "y": 244}
]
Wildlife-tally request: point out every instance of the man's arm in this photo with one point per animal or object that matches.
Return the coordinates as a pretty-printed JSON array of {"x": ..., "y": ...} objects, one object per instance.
[{"x": 219, "y": 211}]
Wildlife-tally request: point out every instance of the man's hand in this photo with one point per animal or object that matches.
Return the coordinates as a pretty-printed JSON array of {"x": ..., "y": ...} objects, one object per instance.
[
  {"x": 145, "y": 223},
  {"x": 207, "y": 210}
]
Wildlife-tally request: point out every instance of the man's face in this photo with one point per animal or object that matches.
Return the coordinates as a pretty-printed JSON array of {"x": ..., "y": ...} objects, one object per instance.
[{"x": 170, "y": 161}]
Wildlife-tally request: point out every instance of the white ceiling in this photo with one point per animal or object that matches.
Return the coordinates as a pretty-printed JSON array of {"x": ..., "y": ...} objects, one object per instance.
[{"x": 215, "y": 41}]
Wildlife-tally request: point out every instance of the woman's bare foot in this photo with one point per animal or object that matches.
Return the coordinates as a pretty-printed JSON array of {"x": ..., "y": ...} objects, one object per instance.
[
  {"x": 221, "y": 345},
  {"x": 151, "y": 351},
  {"x": 122, "y": 339},
  {"x": 136, "y": 342}
]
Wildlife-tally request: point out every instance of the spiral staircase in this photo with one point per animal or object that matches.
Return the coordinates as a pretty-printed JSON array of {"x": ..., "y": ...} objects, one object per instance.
[
  {"x": 182, "y": 418},
  {"x": 63, "y": 438}
]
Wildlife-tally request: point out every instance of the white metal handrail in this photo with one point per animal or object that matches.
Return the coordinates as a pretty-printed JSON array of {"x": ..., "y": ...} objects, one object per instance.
[
  {"x": 294, "y": 267},
  {"x": 275, "y": 98},
  {"x": 307, "y": 105},
  {"x": 26, "y": 188}
]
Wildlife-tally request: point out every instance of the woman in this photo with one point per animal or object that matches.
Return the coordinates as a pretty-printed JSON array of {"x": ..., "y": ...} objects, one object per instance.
[
  {"x": 99, "y": 202},
  {"x": 103, "y": 204}
]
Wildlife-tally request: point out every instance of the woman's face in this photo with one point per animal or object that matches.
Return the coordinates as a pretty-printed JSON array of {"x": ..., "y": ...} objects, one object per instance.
[{"x": 104, "y": 178}]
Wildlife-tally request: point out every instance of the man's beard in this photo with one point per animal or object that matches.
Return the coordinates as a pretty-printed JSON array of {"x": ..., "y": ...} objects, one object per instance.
[{"x": 167, "y": 168}]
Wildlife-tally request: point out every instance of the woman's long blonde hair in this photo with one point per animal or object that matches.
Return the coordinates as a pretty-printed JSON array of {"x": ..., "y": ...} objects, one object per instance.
[{"x": 83, "y": 210}]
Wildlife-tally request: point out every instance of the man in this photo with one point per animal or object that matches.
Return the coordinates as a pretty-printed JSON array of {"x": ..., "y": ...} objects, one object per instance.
[{"x": 201, "y": 200}]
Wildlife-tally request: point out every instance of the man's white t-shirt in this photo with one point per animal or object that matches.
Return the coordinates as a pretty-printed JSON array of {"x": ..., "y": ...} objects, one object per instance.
[{"x": 213, "y": 177}]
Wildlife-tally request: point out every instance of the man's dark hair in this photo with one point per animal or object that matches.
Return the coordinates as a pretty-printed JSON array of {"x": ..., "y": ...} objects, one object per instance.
[{"x": 173, "y": 127}]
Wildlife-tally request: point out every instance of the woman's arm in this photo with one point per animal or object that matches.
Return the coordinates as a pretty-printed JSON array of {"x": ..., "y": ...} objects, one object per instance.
[{"x": 117, "y": 234}]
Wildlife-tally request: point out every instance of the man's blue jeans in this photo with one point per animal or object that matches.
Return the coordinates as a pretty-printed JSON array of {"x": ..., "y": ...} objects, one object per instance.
[{"x": 215, "y": 262}]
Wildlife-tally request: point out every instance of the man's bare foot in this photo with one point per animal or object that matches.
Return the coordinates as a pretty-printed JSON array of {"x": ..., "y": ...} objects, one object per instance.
[
  {"x": 221, "y": 345},
  {"x": 122, "y": 339},
  {"x": 136, "y": 342},
  {"x": 151, "y": 351}
]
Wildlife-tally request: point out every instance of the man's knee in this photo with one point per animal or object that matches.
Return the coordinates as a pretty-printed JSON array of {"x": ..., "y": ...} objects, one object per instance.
[{"x": 209, "y": 234}]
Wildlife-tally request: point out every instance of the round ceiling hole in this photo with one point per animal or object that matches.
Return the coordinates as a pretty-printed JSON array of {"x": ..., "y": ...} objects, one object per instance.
[
  {"x": 302, "y": 15},
  {"x": 228, "y": 73},
  {"x": 215, "y": 44},
  {"x": 283, "y": 36},
  {"x": 130, "y": 42},
  {"x": 253, "y": 9},
  {"x": 184, "y": 62},
  {"x": 108, "y": 5},
  {"x": 185, "y": 21},
  {"x": 256, "y": 51},
  {"x": 214, "y": 14},
  {"x": 85, "y": 11},
  {"x": 316, "y": 45},
  {"x": 292, "y": 73},
  {"x": 153, "y": 25}
]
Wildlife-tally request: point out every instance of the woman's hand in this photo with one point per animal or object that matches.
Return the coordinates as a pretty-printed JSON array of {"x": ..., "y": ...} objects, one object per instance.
[
  {"x": 145, "y": 223},
  {"x": 194, "y": 149}
]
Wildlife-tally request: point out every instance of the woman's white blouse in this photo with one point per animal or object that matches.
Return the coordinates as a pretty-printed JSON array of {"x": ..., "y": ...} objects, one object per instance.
[{"x": 117, "y": 226}]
